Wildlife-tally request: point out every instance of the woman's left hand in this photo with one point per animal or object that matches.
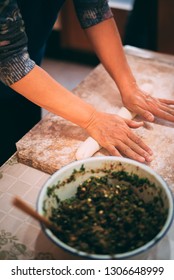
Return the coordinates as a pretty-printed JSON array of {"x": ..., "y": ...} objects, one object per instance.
[{"x": 149, "y": 107}]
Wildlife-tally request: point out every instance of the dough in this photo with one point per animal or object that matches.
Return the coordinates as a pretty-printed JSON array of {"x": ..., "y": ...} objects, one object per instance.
[{"x": 89, "y": 147}]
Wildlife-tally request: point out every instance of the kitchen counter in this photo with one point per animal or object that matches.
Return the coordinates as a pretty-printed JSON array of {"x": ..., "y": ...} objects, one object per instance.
[{"x": 25, "y": 173}]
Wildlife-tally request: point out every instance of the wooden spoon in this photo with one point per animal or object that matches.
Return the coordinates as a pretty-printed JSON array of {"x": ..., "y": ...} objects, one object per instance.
[{"x": 22, "y": 205}]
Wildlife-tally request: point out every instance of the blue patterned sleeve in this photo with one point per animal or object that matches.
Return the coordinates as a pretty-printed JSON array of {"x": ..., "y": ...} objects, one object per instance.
[
  {"x": 14, "y": 58},
  {"x": 91, "y": 12}
]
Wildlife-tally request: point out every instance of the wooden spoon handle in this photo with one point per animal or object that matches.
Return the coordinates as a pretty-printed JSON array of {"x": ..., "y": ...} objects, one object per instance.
[{"x": 22, "y": 205}]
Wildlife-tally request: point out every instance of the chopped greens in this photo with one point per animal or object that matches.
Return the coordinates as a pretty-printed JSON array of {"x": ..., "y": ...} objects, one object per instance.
[{"x": 108, "y": 215}]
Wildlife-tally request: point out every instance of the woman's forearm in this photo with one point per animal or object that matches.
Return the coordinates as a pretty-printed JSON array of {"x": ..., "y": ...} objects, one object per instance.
[
  {"x": 107, "y": 44},
  {"x": 44, "y": 91},
  {"x": 110, "y": 131}
]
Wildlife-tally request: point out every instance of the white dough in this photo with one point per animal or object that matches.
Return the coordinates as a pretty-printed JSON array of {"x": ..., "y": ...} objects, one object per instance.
[{"x": 89, "y": 147}]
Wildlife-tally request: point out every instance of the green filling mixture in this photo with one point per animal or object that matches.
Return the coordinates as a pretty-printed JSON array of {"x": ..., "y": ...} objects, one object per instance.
[{"x": 107, "y": 215}]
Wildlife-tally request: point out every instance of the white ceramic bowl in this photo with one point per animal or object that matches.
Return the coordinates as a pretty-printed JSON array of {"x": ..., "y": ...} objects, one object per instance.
[{"x": 103, "y": 163}]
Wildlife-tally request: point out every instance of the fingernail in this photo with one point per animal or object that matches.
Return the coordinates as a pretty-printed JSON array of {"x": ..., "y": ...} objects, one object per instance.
[
  {"x": 149, "y": 159},
  {"x": 141, "y": 159},
  {"x": 150, "y": 118}
]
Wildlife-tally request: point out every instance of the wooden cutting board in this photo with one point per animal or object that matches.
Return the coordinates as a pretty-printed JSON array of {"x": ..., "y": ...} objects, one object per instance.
[{"x": 52, "y": 143}]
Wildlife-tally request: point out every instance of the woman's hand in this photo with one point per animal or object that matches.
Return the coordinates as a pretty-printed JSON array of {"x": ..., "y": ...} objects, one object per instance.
[
  {"x": 147, "y": 106},
  {"x": 114, "y": 134}
]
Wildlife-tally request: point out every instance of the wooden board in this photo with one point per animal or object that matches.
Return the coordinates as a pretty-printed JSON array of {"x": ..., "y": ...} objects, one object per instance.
[{"x": 52, "y": 143}]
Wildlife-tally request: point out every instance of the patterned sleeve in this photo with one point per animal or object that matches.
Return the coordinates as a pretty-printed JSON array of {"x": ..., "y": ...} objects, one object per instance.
[
  {"x": 14, "y": 58},
  {"x": 91, "y": 12}
]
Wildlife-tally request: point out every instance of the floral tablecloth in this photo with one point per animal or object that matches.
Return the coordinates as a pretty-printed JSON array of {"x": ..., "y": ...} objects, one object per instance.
[{"x": 21, "y": 236}]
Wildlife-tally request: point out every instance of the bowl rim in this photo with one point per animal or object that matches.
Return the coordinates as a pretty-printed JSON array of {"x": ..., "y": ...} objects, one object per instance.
[{"x": 120, "y": 256}]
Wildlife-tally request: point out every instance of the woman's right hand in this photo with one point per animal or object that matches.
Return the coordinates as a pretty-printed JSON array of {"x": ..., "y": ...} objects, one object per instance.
[{"x": 115, "y": 135}]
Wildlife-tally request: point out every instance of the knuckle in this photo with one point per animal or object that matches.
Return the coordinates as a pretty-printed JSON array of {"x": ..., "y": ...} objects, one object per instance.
[
  {"x": 146, "y": 114},
  {"x": 127, "y": 151},
  {"x": 138, "y": 141},
  {"x": 110, "y": 148}
]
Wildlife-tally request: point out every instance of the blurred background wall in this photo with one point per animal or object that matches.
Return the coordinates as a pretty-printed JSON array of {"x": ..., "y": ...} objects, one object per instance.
[{"x": 147, "y": 24}]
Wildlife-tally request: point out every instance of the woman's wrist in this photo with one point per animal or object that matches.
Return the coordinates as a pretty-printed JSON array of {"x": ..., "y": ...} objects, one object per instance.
[{"x": 127, "y": 89}]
